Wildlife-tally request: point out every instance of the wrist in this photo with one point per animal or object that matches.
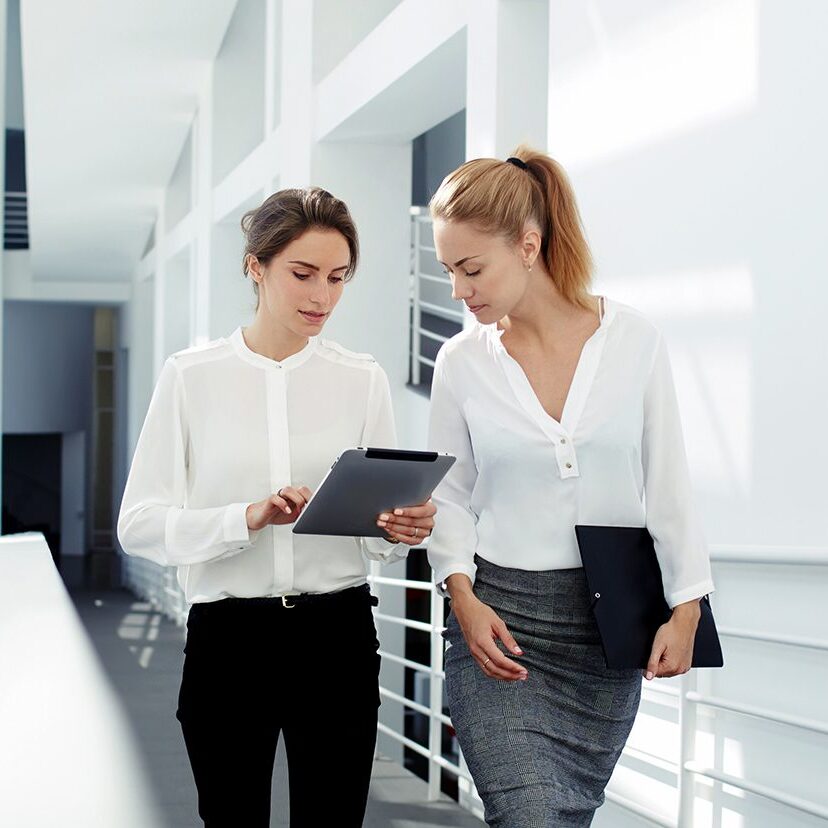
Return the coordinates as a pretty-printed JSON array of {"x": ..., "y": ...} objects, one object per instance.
[
  {"x": 459, "y": 587},
  {"x": 688, "y": 612}
]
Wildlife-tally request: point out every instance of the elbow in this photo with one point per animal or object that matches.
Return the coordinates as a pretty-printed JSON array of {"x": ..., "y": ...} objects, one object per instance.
[{"x": 124, "y": 534}]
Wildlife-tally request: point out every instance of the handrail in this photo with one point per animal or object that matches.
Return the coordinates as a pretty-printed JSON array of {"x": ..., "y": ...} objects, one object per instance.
[{"x": 49, "y": 747}]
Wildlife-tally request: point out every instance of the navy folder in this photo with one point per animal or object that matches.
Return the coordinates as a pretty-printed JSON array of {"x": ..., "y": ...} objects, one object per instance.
[{"x": 624, "y": 580}]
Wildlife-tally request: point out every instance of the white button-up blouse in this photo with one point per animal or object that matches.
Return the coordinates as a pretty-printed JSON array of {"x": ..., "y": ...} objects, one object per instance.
[
  {"x": 523, "y": 480},
  {"x": 227, "y": 427}
]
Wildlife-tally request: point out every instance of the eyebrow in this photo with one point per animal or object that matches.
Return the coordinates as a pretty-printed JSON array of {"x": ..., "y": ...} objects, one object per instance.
[
  {"x": 314, "y": 267},
  {"x": 462, "y": 261}
]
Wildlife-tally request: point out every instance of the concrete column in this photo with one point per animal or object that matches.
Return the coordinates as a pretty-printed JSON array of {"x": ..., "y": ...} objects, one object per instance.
[
  {"x": 158, "y": 355},
  {"x": 201, "y": 256},
  {"x": 296, "y": 135},
  {"x": 507, "y": 71}
]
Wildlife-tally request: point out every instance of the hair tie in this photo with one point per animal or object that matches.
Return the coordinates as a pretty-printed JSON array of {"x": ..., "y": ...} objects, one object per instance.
[{"x": 517, "y": 162}]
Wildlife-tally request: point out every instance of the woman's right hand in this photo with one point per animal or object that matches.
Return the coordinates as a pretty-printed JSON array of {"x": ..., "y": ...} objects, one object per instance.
[
  {"x": 279, "y": 509},
  {"x": 481, "y": 627}
]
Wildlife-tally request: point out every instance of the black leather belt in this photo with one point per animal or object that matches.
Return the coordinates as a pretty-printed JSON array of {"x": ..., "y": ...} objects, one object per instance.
[
  {"x": 313, "y": 598},
  {"x": 305, "y": 599}
]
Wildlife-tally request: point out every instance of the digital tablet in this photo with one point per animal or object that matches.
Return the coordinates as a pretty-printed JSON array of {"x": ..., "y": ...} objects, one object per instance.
[{"x": 363, "y": 482}]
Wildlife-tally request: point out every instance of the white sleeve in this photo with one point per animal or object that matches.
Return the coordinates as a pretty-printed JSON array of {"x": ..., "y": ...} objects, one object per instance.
[
  {"x": 154, "y": 522},
  {"x": 454, "y": 540},
  {"x": 671, "y": 515},
  {"x": 380, "y": 432}
]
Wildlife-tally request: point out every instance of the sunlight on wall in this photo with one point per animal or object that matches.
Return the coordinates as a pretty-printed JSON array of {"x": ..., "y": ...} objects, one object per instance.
[
  {"x": 706, "y": 54},
  {"x": 708, "y": 315}
]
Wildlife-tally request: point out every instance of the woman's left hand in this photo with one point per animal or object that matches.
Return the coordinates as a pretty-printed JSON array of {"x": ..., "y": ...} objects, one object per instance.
[
  {"x": 672, "y": 653},
  {"x": 410, "y": 525}
]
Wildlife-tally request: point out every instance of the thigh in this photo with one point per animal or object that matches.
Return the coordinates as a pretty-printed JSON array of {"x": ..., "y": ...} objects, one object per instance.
[
  {"x": 540, "y": 751},
  {"x": 493, "y": 723},
  {"x": 331, "y": 731},
  {"x": 229, "y": 729}
]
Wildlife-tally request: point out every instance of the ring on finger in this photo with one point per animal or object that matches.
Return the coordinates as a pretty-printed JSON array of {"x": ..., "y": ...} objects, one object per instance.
[{"x": 486, "y": 661}]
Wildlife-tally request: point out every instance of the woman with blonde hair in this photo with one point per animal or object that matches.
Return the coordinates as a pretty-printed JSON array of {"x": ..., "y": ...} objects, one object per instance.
[{"x": 560, "y": 408}]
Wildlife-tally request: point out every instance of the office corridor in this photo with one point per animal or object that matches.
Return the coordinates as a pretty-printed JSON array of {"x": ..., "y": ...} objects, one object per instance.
[{"x": 141, "y": 652}]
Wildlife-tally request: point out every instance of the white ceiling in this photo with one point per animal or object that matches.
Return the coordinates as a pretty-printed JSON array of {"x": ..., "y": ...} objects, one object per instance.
[{"x": 110, "y": 90}]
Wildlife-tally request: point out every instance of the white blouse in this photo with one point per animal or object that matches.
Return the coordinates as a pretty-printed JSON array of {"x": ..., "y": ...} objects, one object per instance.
[
  {"x": 523, "y": 480},
  {"x": 227, "y": 427}
]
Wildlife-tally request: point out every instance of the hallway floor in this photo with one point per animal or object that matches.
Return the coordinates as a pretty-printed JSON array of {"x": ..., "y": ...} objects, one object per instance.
[{"x": 142, "y": 654}]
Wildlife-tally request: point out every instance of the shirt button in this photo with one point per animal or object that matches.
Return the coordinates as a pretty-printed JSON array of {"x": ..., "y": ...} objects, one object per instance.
[
  {"x": 569, "y": 465},
  {"x": 563, "y": 441}
]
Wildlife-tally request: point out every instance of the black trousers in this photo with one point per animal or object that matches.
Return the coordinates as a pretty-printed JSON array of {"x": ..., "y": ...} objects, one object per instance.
[{"x": 254, "y": 669}]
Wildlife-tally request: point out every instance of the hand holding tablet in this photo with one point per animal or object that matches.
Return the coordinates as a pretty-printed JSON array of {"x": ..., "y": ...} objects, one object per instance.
[{"x": 365, "y": 483}]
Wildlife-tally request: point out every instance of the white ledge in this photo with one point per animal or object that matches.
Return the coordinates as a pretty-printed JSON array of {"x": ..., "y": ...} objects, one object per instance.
[{"x": 68, "y": 757}]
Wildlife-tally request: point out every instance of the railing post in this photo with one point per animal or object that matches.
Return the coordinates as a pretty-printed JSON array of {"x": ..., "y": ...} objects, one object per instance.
[
  {"x": 687, "y": 750},
  {"x": 416, "y": 320},
  {"x": 435, "y": 726}
]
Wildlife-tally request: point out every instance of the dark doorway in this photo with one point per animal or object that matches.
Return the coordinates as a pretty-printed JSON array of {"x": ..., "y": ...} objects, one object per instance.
[{"x": 32, "y": 486}]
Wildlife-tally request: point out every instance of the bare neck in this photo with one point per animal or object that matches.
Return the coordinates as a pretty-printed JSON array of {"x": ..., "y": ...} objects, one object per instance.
[
  {"x": 272, "y": 340},
  {"x": 543, "y": 314}
]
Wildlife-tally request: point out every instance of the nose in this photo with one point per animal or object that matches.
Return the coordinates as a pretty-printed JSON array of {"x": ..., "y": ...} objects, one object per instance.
[
  {"x": 320, "y": 293},
  {"x": 460, "y": 288}
]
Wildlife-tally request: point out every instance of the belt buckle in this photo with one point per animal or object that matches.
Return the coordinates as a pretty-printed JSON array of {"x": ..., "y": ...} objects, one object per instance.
[{"x": 285, "y": 603}]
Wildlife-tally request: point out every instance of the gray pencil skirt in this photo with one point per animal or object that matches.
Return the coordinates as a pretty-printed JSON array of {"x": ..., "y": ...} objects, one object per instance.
[{"x": 541, "y": 751}]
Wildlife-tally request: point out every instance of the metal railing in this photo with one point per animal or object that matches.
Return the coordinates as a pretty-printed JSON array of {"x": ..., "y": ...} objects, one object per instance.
[
  {"x": 16, "y": 221},
  {"x": 435, "y": 320},
  {"x": 437, "y": 720},
  {"x": 158, "y": 585},
  {"x": 684, "y": 696}
]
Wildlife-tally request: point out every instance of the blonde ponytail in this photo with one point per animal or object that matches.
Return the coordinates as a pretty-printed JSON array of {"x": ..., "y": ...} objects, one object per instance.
[{"x": 502, "y": 197}]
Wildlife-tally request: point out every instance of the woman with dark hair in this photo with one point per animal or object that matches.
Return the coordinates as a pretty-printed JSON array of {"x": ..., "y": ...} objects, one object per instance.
[
  {"x": 559, "y": 406},
  {"x": 280, "y": 633}
]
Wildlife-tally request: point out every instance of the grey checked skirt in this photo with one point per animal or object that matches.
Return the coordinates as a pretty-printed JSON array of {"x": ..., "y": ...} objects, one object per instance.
[{"x": 541, "y": 751}]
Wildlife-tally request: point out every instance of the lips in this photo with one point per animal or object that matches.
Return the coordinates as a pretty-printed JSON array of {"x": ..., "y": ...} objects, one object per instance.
[
  {"x": 313, "y": 317},
  {"x": 475, "y": 308}
]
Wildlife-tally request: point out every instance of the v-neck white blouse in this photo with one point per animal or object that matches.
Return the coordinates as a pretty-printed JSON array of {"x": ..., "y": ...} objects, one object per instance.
[
  {"x": 523, "y": 480},
  {"x": 227, "y": 427}
]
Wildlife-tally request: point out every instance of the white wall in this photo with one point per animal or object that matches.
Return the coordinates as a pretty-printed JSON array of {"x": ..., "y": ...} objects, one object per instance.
[
  {"x": 336, "y": 34},
  {"x": 238, "y": 89},
  {"x": 179, "y": 199},
  {"x": 694, "y": 134},
  {"x": 139, "y": 337},
  {"x": 233, "y": 301},
  {"x": 13, "y": 83}
]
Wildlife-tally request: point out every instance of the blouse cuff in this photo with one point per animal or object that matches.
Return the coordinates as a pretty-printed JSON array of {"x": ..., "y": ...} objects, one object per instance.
[
  {"x": 698, "y": 590},
  {"x": 383, "y": 550},
  {"x": 236, "y": 533},
  {"x": 440, "y": 575}
]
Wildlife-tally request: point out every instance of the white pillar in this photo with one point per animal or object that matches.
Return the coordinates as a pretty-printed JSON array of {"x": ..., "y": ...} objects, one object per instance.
[
  {"x": 506, "y": 77},
  {"x": 159, "y": 290},
  {"x": 202, "y": 199},
  {"x": 296, "y": 78}
]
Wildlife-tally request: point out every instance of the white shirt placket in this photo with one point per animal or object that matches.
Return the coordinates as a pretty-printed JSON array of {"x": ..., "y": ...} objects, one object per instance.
[{"x": 280, "y": 474}]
